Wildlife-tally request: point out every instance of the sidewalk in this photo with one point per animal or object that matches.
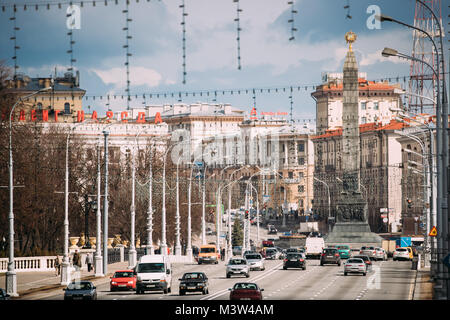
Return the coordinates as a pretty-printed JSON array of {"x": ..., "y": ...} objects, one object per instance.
[
  {"x": 32, "y": 282},
  {"x": 423, "y": 288}
]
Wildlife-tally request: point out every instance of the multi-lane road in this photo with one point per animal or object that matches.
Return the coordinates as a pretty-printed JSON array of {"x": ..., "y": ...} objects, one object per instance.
[{"x": 388, "y": 280}]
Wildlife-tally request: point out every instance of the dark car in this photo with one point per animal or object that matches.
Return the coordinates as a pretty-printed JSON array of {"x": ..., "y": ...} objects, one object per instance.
[
  {"x": 272, "y": 230},
  {"x": 330, "y": 255},
  {"x": 294, "y": 260},
  {"x": 80, "y": 290},
  {"x": 4, "y": 295},
  {"x": 366, "y": 259},
  {"x": 246, "y": 291},
  {"x": 194, "y": 282}
]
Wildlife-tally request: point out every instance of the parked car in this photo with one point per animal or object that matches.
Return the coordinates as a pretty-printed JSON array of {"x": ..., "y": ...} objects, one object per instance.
[
  {"x": 4, "y": 295},
  {"x": 256, "y": 261},
  {"x": 294, "y": 260},
  {"x": 193, "y": 282},
  {"x": 368, "y": 251},
  {"x": 402, "y": 254},
  {"x": 380, "y": 254},
  {"x": 238, "y": 266},
  {"x": 344, "y": 251},
  {"x": 366, "y": 260},
  {"x": 355, "y": 265},
  {"x": 123, "y": 279},
  {"x": 330, "y": 255},
  {"x": 80, "y": 290},
  {"x": 246, "y": 291}
]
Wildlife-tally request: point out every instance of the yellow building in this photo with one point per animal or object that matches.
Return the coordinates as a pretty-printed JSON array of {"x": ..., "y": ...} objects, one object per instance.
[{"x": 60, "y": 104}]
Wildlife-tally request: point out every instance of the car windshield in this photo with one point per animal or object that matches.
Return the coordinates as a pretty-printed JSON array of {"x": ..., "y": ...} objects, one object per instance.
[
  {"x": 207, "y": 250},
  {"x": 120, "y": 274},
  {"x": 253, "y": 257},
  {"x": 79, "y": 286},
  {"x": 192, "y": 276},
  {"x": 238, "y": 261},
  {"x": 355, "y": 261},
  {"x": 271, "y": 251},
  {"x": 150, "y": 267},
  {"x": 245, "y": 286}
]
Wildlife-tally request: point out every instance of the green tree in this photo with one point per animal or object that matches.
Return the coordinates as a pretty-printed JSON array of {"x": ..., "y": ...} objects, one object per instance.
[{"x": 237, "y": 233}]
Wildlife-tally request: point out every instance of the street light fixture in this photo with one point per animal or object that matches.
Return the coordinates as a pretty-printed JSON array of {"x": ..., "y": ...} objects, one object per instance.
[{"x": 11, "y": 276}]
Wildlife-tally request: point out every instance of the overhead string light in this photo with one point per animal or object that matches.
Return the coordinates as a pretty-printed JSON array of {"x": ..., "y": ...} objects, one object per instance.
[
  {"x": 291, "y": 20},
  {"x": 127, "y": 50},
  {"x": 59, "y": 4},
  {"x": 14, "y": 39},
  {"x": 71, "y": 27},
  {"x": 347, "y": 7},
  {"x": 183, "y": 24},
  {"x": 292, "y": 103},
  {"x": 238, "y": 26}
]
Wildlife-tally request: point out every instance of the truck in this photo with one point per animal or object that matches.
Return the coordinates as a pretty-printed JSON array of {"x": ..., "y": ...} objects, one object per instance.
[
  {"x": 308, "y": 227},
  {"x": 314, "y": 247},
  {"x": 388, "y": 246},
  {"x": 153, "y": 273}
]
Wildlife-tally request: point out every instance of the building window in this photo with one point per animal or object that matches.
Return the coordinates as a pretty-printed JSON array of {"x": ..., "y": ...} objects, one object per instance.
[
  {"x": 375, "y": 106},
  {"x": 363, "y": 105},
  {"x": 363, "y": 120},
  {"x": 66, "y": 108},
  {"x": 290, "y": 175},
  {"x": 39, "y": 106},
  {"x": 301, "y": 188},
  {"x": 301, "y": 161},
  {"x": 301, "y": 147}
]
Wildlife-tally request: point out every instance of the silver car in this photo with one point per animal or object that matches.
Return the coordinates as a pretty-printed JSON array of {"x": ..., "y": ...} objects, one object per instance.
[
  {"x": 256, "y": 261},
  {"x": 368, "y": 251},
  {"x": 380, "y": 254},
  {"x": 355, "y": 265},
  {"x": 238, "y": 266}
]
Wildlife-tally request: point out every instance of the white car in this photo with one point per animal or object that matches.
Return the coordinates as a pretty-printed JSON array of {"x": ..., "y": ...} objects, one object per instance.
[
  {"x": 380, "y": 254},
  {"x": 368, "y": 251},
  {"x": 355, "y": 265},
  {"x": 401, "y": 254},
  {"x": 256, "y": 261},
  {"x": 238, "y": 266}
]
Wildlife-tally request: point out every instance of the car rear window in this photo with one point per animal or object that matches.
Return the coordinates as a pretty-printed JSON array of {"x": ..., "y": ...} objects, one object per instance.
[
  {"x": 123, "y": 275},
  {"x": 238, "y": 261},
  {"x": 362, "y": 257},
  {"x": 294, "y": 256},
  {"x": 355, "y": 260},
  {"x": 247, "y": 286},
  {"x": 329, "y": 251},
  {"x": 253, "y": 256},
  {"x": 402, "y": 249}
]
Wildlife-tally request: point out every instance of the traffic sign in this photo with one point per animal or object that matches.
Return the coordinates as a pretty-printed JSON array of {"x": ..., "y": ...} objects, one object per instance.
[
  {"x": 385, "y": 220},
  {"x": 433, "y": 232},
  {"x": 447, "y": 261}
]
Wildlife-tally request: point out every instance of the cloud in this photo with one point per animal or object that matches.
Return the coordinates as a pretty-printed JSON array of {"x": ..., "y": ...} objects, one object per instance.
[{"x": 139, "y": 76}]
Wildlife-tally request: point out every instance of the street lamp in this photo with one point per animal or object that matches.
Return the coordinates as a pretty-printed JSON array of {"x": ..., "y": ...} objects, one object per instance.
[
  {"x": 11, "y": 276},
  {"x": 329, "y": 201},
  {"x": 88, "y": 205}
]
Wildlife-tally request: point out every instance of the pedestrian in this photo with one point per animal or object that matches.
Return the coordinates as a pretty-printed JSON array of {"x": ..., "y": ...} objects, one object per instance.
[
  {"x": 89, "y": 262},
  {"x": 76, "y": 260},
  {"x": 222, "y": 254},
  {"x": 57, "y": 265}
]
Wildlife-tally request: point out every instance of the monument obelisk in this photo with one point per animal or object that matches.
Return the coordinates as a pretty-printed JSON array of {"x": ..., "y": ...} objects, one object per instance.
[{"x": 351, "y": 210}]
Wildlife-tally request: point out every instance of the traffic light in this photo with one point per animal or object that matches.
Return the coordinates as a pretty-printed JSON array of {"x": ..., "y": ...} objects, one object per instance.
[
  {"x": 409, "y": 201},
  {"x": 246, "y": 214}
]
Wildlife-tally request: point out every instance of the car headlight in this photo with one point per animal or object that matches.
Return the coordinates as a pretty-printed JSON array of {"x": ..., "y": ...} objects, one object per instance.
[
  {"x": 113, "y": 282},
  {"x": 86, "y": 295}
]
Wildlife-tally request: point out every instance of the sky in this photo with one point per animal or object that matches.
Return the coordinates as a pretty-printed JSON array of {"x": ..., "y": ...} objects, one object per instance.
[{"x": 268, "y": 58}]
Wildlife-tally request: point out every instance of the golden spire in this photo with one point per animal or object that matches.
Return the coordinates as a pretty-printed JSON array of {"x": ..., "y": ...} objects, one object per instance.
[{"x": 350, "y": 37}]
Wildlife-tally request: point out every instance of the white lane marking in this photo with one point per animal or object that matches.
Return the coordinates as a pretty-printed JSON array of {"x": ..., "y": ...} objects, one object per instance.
[{"x": 262, "y": 276}]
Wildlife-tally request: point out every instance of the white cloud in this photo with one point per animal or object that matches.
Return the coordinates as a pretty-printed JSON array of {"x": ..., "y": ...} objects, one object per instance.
[{"x": 138, "y": 76}]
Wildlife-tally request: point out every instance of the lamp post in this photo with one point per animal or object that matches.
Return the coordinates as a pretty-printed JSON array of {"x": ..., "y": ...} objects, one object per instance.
[
  {"x": 11, "y": 276},
  {"x": 177, "y": 217},
  {"x": 98, "y": 253},
  {"x": 329, "y": 201},
  {"x": 88, "y": 205},
  {"x": 257, "y": 213}
]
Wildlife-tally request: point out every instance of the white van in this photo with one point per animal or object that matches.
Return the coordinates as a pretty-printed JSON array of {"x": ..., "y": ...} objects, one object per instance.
[
  {"x": 153, "y": 273},
  {"x": 314, "y": 247}
]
